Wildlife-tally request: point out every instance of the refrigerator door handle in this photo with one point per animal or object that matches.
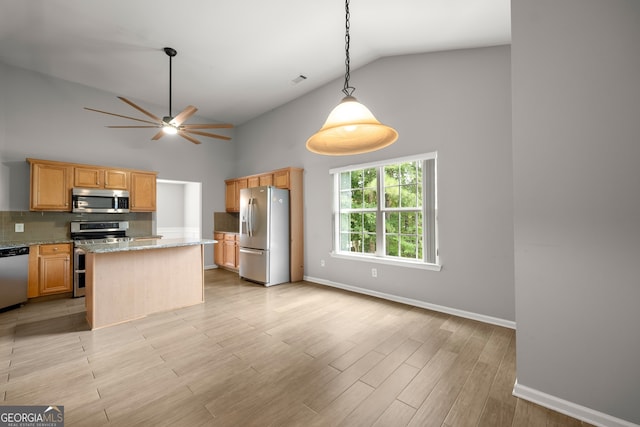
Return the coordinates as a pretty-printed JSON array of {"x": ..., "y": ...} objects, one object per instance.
[
  {"x": 251, "y": 251},
  {"x": 250, "y": 217}
]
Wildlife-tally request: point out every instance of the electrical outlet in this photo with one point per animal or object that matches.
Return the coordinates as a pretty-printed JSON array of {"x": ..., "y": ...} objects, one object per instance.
[
  {"x": 19, "y": 228},
  {"x": 374, "y": 272},
  {"x": 321, "y": 263}
]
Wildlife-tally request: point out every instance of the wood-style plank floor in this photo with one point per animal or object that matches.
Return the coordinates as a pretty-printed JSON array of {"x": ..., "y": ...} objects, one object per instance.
[{"x": 289, "y": 355}]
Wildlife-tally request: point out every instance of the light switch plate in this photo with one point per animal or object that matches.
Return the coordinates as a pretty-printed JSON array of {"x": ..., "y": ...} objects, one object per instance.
[{"x": 19, "y": 228}]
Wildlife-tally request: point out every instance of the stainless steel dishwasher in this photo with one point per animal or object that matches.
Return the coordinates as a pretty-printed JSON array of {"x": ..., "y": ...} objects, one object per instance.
[{"x": 14, "y": 273}]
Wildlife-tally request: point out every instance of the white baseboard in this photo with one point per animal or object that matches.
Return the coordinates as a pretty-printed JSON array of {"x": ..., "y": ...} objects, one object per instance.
[
  {"x": 569, "y": 408},
  {"x": 417, "y": 303}
]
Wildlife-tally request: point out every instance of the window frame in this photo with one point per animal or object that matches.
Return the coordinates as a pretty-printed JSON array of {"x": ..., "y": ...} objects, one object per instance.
[{"x": 429, "y": 212}]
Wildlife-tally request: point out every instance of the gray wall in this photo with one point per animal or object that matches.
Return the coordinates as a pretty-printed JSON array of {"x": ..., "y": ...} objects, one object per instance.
[
  {"x": 576, "y": 149},
  {"x": 457, "y": 103},
  {"x": 42, "y": 117}
]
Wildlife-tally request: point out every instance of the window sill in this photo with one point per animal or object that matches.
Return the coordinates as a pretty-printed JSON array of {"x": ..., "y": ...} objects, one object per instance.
[{"x": 378, "y": 260}]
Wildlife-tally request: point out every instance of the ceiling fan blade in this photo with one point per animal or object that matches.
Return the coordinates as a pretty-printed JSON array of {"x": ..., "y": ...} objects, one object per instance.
[
  {"x": 132, "y": 127},
  {"x": 208, "y": 126},
  {"x": 210, "y": 135},
  {"x": 188, "y": 138},
  {"x": 158, "y": 135},
  {"x": 119, "y": 115},
  {"x": 184, "y": 115},
  {"x": 142, "y": 110}
]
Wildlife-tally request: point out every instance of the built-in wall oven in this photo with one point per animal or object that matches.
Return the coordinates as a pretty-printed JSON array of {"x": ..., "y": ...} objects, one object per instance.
[{"x": 91, "y": 232}]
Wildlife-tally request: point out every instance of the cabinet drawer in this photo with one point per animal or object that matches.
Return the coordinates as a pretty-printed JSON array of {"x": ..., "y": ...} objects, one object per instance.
[{"x": 63, "y": 248}]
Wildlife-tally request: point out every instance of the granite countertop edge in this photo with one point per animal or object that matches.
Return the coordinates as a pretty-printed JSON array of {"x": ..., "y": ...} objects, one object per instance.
[
  {"x": 20, "y": 243},
  {"x": 143, "y": 244}
]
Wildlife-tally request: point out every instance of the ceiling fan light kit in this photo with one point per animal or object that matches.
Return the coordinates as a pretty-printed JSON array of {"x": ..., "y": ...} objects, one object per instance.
[
  {"x": 351, "y": 128},
  {"x": 170, "y": 125}
]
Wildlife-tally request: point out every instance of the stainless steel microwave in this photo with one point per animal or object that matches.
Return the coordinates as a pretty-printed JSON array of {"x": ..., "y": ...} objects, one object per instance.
[{"x": 92, "y": 200}]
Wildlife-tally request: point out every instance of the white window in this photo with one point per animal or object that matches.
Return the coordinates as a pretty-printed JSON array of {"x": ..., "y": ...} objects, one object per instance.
[{"x": 386, "y": 211}]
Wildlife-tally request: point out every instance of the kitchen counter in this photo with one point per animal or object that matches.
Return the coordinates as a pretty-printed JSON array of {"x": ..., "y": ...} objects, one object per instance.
[{"x": 142, "y": 244}]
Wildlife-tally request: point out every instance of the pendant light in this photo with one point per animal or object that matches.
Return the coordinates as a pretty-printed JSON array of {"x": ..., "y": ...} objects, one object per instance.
[{"x": 350, "y": 128}]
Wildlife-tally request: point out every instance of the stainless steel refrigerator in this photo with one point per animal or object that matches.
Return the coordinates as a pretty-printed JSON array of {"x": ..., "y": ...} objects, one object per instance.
[{"x": 264, "y": 235}]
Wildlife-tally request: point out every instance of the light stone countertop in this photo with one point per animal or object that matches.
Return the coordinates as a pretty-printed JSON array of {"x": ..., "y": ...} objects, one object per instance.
[{"x": 142, "y": 244}]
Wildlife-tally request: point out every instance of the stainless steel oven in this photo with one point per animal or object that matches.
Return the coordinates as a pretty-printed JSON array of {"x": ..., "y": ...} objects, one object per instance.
[{"x": 89, "y": 232}]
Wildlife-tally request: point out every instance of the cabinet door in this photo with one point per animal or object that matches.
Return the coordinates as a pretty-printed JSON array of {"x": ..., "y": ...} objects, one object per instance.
[
  {"x": 281, "y": 179},
  {"x": 87, "y": 177},
  {"x": 230, "y": 253},
  {"x": 50, "y": 187},
  {"x": 54, "y": 269},
  {"x": 240, "y": 184},
  {"x": 142, "y": 195},
  {"x": 266, "y": 179},
  {"x": 230, "y": 196},
  {"x": 218, "y": 249},
  {"x": 116, "y": 179},
  {"x": 253, "y": 181}
]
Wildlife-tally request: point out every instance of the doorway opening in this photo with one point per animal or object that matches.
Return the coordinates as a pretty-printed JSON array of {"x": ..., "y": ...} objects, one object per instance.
[{"x": 179, "y": 209}]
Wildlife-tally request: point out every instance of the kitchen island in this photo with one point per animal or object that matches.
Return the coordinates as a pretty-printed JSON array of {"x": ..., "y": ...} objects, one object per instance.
[{"x": 129, "y": 280}]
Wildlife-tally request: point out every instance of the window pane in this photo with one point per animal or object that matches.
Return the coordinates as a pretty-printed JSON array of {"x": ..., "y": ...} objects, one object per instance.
[
  {"x": 408, "y": 247},
  {"x": 408, "y": 224},
  {"x": 345, "y": 199},
  {"x": 355, "y": 222},
  {"x": 392, "y": 196},
  {"x": 392, "y": 222},
  {"x": 408, "y": 196},
  {"x": 356, "y": 199},
  {"x": 391, "y": 245},
  {"x": 369, "y": 243},
  {"x": 369, "y": 224},
  {"x": 345, "y": 180},
  {"x": 345, "y": 224},
  {"x": 345, "y": 242},
  {"x": 408, "y": 173},
  {"x": 370, "y": 198}
]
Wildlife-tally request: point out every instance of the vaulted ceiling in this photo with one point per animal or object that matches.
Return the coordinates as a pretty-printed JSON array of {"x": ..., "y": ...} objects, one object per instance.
[{"x": 236, "y": 59}]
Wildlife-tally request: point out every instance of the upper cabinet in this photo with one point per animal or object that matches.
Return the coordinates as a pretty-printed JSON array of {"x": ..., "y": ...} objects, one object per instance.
[
  {"x": 52, "y": 181},
  {"x": 232, "y": 193},
  {"x": 50, "y": 187},
  {"x": 143, "y": 192},
  {"x": 89, "y": 177}
]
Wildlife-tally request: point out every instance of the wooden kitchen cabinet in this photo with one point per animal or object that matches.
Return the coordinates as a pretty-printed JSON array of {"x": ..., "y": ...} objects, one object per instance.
[
  {"x": 260, "y": 180},
  {"x": 51, "y": 183},
  {"x": 281, "y": 178},
  {"x": 142, "y": 196},
  {"x": 50, "y": 269},
  {"x": 218, "y": 249},
  {"x": 50, "y": 186},
  {"x": 231, "y": 250},
  {"x": 87, "y": 177},
  {"x": 232, "y": 193}
]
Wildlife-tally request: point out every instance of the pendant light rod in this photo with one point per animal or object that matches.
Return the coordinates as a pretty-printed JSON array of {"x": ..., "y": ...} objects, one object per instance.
[
  {"x": 171, "y": 53},
  {"x": 347, "y": 90}
]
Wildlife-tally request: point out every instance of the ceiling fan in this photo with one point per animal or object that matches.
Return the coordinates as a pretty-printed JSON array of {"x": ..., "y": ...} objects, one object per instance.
[{"x": 168, "y": 124}]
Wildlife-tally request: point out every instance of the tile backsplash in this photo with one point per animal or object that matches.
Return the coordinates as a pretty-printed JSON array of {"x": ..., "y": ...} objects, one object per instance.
[
  {"x": 225, "y": 221},
  {"x": 39, "y": 226}
]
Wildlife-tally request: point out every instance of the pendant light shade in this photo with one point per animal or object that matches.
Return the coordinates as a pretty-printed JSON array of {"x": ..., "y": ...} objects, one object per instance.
[{"x": 350, "y": 128}]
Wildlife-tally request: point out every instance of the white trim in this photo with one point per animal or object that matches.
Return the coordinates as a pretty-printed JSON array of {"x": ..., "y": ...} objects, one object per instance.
[
  {"x": 569, "y": 408},
  {"x": 388, "y": 261},
  {"x": 424, "y": 156},
  {"x": 417, "y": 303}
]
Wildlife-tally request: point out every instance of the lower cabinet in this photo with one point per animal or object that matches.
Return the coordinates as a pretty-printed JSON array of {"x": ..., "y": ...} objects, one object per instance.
[
  {"x": 230, "y": 249},
  {"x": 50, "y": 269},
  {"x": 226, "y": 253},
  {"x": 218, "y": 249}
]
